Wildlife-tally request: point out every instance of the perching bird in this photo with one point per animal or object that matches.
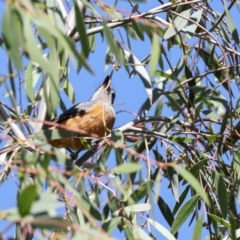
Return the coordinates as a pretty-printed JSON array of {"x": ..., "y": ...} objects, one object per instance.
[{"x": 96, "y": 116}]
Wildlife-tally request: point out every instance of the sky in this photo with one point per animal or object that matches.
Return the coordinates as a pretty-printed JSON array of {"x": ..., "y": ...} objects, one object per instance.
[{"x": 130, "y": 93}]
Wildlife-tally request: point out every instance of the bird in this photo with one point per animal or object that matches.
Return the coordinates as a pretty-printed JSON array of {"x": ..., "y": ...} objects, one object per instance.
[{"x": 94, "y": 117}]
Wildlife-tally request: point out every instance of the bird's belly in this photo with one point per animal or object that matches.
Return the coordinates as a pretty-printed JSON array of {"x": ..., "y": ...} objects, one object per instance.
[{"x": 97, "y": 122}]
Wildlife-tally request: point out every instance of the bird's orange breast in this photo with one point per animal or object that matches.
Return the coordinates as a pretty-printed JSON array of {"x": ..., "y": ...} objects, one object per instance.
[{"x": 97, "y": 120}]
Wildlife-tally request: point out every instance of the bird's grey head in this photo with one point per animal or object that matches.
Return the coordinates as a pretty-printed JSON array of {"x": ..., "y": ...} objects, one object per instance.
[{"x": 105, "y": 92}]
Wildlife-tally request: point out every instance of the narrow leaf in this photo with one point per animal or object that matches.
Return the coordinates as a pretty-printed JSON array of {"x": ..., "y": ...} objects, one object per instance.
[
  {"x": 178, "y": 24},
  {"x": 231, "y": 26},
  {"x": 142, "y": 191},
  {"x": 140, "y": 207},
  {"x": 127, "y": 168},
  {"x": 161, "y": 229},
  {"x": 197, "y": 232},
  {"x": 166, "y": 212},
  {"x": 192, "y": 181},
  {"x": 26, "y": 199},
  {"x": 184, "y": 213},
  {"x": 222, "y": 195},
  {"x": 154, "y": 55},
  {"x": 81, "y": 30}
]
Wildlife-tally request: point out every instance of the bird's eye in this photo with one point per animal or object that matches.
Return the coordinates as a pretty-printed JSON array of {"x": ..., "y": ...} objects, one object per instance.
[{"x": 113, "y": 95}]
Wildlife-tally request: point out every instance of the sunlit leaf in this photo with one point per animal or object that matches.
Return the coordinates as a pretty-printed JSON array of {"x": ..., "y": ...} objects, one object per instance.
[
  {"x": 161, "y": 229},
  {"x": 127, "y": 168},
  {"x": 178, "y": 24},
  {"x": 198, "y": 229},
  {"x": 192, "y": 181}
]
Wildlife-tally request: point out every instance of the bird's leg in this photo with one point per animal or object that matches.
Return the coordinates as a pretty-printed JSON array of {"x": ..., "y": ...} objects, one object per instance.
[{"x": 73, "y": 155}]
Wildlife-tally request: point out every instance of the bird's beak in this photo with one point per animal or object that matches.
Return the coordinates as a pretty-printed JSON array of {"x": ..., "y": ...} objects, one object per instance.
[{"x": 107, "y": 81}]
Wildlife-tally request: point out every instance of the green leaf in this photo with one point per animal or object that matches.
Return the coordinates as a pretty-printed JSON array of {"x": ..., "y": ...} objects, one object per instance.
[
  {"x": 220, "y": 221},
  {"x": 113, "y": 44},
  {"x": 178, "y": 139},
  {"x": 197, "y": 232},
  {"x": 174, "y": 183},
  {"x": 11, "y": 21},
  {"x": 139, "y": 233},
  {"x": 154, "y": 55},
  {"x": 140, "y": 207},
  {"x": 54, "y": 83},
  {"x": 232, "y": 221},
  {"x": 29, "y": 82},
  {"x": 52, "y": 134},
  {"x": 131, "y": 32},
  {"x": 177, "y": 24},
  {"x": 127, "y": 168},
  {"x": 111, "y": 224},
  {"x": 26, "y": 198},
  {"x": 211, "y": 94},
  {"x": 47, "y": 203},
  {"x": 81, "y": 30},
  {"x": 161, "y": 229},
  {"x": 192, "y": 181},
  {"x": 213, "y": 65},
  {"x": 142, "y": 191},
  {"x": 166, "y": 212},
  {"x": 54, "y": 13},
  {"x": 118, "y": 138},
  {"x": 69, "y": 90},
  {"x": 138, "y": 30},
  {"x": 196, "y": 17},
  {"x": 222, "y": 194},
  {"x": 155, "y": 96},
  {"x": 62, "y": 40},
  {"x": 231, "y": 26},
  {"x": 198, "y": 166},
  {"x": 30, "y": 46},
  {"x": 184, "y": 213}
]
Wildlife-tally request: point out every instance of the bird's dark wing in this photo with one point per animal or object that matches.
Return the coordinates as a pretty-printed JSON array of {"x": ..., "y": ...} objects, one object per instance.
[{"x": 77, "y": 109}]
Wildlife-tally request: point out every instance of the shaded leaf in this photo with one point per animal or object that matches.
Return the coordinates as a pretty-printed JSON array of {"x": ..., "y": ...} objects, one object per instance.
[
  {"x": 26, "y": 198},
  {"x": 142, "y": 191},
  {"x": 222, "y": 194},
  {"x": 231, "y": 26},
  {"x": 166, "y": 212},
  {"x": 184, "y": 213},
  {"x": 117, "y": 137}
]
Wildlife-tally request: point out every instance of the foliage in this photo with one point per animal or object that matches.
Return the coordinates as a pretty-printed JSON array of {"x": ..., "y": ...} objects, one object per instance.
[{"x": 195, "y": 150}]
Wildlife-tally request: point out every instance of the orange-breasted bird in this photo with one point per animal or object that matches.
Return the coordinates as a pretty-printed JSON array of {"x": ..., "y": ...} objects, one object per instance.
[{"x": 96, "y": 116}]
